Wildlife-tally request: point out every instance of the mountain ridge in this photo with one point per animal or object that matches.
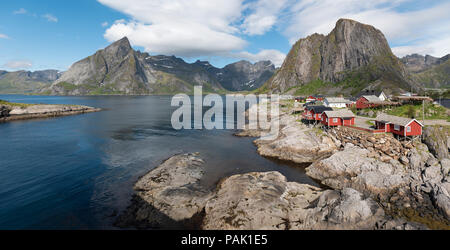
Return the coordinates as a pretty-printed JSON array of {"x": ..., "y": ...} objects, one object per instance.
[
  {"x": 119, "y": 69},
  {"x": 429, "y": 71},
  {"x": 350, "y": 59},
  {"x": 29, "y": 82}
]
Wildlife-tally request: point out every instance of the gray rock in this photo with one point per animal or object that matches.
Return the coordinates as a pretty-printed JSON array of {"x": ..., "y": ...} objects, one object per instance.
[
  {"x": 441, "y": 197},
  {"x": 353, "y": 168},
  {"x": 169, "y": 196},
  {"x": 436, "y": 138},
  {"x": 259, "y": 201},
  {"x": 297, "y": 143}
]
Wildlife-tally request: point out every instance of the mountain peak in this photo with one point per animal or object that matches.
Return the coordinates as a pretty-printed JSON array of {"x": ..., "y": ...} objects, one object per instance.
[
  {"x": 123, "y": 44},
  {"x": 351, "y": 48}
]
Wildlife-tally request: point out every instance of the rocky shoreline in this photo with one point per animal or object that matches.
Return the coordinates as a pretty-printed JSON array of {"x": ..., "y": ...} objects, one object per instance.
[
  {"x": 14, "y": 112},
  {"x": 372, "y": 182}
]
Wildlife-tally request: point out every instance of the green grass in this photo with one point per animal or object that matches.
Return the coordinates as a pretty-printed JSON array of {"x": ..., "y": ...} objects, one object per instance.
[
  {"x": 432, "y": 112},
  {"x": 21, "y": 105},
  {"x": 310, "y": 88}
]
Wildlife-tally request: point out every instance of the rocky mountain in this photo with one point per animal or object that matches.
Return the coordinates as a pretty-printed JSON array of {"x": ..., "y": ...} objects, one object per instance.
[
  {"x": 244, "y": 75},
  {"x": 118, "y": 69},
  {"x": 429, "y": 71},
  {"x": 23, "y": 82},
  {"x": 353, "y": 57}
]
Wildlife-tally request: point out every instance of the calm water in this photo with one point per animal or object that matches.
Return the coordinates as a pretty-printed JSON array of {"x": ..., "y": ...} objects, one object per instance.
[
  {"x": 77, "y": 172},
  {"x": 445, "y": 102}
]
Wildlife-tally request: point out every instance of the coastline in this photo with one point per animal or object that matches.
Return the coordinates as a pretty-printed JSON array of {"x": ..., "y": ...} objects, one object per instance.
[
  {"x": 364, "y": 185},
  {"x": 18, "y": 111}
]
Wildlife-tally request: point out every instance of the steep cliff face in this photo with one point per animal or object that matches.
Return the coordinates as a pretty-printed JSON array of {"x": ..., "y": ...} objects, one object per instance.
[
  {"x": 115, "y": 69},
  {"x": 350, "y": 58}
]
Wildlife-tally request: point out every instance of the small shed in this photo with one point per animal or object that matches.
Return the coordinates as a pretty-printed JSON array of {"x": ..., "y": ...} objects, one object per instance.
[
  {"x": 338, "y": 118},
  {"x": 399, "y": 125}
]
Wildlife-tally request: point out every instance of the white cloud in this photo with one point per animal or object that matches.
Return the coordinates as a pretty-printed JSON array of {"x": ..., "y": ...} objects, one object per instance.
[
  {"x": 275, "y": 56},
  {"x": 405, "y": 30},
  {"x": 18, "y": 64},
  {"x": 436, "y": 47},
  {"x": 50, "y": 18},
  {"x": 179, "y": 27},
  {"x": 3, "y": 36},
  {"x": 264, "y": 16},
  {"x": 176, "y": 38},
  {"x": 104, "y": 24},
  {"x": 194, "y": 28},
  {"x": 20, "y": 11}
]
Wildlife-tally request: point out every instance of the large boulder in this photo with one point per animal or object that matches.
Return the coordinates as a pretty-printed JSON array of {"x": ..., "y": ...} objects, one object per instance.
[
  {"x": 170, "y": 196},
  {"x": 4, "y": 110},
  {"x": 353, "y": 168},
  {"x": 297, "y": 143},
  {"x": 437, "y": 138},
  {"x": 257, "y": 201},
  {"x": 441, "y": 197},
  {"x": 266, "y": 201}
]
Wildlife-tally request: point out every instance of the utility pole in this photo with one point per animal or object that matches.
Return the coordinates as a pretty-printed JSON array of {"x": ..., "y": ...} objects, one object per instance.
[{"x": 423, "y": 111}]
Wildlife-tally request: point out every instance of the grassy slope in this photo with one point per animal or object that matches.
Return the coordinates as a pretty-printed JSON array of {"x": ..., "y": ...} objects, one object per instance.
[{"x": 438, "y": 76}]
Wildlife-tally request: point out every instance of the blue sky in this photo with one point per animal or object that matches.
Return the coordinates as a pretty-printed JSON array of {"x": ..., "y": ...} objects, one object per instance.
[{"x": 53, "y": 34}]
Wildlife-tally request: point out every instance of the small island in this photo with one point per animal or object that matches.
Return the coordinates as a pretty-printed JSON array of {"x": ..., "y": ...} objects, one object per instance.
[{"x": 20, "y": 111}]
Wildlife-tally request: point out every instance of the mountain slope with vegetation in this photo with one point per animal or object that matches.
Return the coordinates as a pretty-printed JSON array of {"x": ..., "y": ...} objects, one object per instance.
[
  {"x": 430, "y": 72},
  {"x": 118, "y": 69},
  {"x": 353, "y": 57},
  {"x": 26, "y": 82}
]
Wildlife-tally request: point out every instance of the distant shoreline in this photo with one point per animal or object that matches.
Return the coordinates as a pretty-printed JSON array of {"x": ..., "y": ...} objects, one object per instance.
[{"x": 19, "y": 111}]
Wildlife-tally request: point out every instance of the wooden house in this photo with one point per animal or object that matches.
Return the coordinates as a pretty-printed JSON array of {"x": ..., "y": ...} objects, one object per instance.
[
  {"x": 399, "y": 125},
  {"x": 338, "y": 118}
]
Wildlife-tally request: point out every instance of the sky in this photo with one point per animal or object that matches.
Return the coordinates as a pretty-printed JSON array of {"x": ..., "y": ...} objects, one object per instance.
[{"x": 53, "y": 34}]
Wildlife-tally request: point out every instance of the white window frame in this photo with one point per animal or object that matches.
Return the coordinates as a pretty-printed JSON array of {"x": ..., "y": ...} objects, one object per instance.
[
  {"x": 335, "y": 120},
  {"x": 408, "y": 129},
  {"x": 396, "y": 127}
]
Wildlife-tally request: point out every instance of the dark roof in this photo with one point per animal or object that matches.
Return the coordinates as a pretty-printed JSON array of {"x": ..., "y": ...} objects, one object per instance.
[{"x": 320, "y": 109}]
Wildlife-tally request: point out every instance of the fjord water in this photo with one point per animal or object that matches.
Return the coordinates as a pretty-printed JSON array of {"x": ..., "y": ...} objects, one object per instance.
[{"x": 77, "y": 172}]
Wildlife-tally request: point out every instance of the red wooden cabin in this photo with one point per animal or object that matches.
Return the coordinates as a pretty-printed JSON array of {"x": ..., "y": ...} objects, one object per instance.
[
  {"x": 314, "y": 113},
  {"x": 338, "y": 118},
  {"x": 399, "y": 125},
  {"x": 368, "y": 101}
]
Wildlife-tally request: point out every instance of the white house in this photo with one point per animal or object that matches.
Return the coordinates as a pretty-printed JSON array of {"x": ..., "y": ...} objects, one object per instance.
[
  {"x": 335, "y": 102},
  {"x": 382, "y": 96}
]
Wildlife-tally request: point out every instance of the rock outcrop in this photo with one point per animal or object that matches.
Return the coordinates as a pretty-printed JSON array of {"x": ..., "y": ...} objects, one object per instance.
[
  {"x": 353, "y": 167},
  {"x": 172, "y": 196},
  {"x": 414, "y": 187},
  {"x": 295, "y": 142},
  {"x": 266, "y": 201},
  {"x": 16, "y": 111},
  {"x": 169, "y": 196},
  {"x": 437, "y": 138},
  {"x": 351, "y": 52},
  {"x": 4, "y": 111}
]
